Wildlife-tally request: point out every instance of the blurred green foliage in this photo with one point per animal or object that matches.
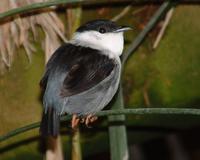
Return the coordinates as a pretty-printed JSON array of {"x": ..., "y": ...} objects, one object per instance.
[{"x": 169, "y": 76}]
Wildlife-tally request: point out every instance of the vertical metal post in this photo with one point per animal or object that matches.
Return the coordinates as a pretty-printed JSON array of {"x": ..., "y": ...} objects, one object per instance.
[{"x": 117, "y": 131}]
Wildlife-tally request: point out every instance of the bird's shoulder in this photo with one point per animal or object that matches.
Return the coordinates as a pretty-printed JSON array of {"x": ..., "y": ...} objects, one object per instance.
[
  {"x": 69, "y": 54},
  {"x": 84, "y": 67}
]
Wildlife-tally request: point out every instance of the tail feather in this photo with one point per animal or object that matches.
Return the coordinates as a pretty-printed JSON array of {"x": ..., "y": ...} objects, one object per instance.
[{"x": 50, "y": 124}]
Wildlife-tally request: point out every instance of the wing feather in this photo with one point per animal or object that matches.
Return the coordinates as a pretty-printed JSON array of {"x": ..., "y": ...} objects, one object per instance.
[{"x": 83, "y": 68}]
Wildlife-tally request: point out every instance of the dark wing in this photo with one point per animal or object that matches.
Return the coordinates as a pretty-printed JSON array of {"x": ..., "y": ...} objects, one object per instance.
[
  {"x": 89, "y": 69},
  {"x": 51, "y": 65},
  {"x": 84, "y": 68}
]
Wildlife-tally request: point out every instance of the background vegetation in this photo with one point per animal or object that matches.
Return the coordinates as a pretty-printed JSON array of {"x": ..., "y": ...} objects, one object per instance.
[{"x": 167, "y": 76}]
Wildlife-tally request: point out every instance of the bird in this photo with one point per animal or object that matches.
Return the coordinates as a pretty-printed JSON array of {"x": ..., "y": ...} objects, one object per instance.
[{"x": 82, "y": 75}]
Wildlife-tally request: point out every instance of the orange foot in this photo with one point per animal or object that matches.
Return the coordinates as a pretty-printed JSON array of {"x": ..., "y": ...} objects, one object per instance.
[
  {"x": 87, "y": 120},
  {"x": 75, "y": 121},
  {"x": 90, "y": 119}
]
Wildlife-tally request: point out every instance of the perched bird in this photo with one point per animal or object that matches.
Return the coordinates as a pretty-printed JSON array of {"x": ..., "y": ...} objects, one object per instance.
[{"x": 82, "y": 76}]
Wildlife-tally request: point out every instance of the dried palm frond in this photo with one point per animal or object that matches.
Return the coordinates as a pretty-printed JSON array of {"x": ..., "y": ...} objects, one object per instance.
[{"x": 16, "y": 33}]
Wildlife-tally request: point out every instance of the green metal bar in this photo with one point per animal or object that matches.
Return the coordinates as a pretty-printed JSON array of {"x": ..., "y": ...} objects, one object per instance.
[
  {"x": 150, "y": 111},
  {"x": 19, "y": 131},
  {"x": 36, "y": 6},
  {"x": 117, "y": 131},
  {"x": 136, "y": 111},
  {"x": 51, "y": 3},
  {"x": 41, "y": 5}
]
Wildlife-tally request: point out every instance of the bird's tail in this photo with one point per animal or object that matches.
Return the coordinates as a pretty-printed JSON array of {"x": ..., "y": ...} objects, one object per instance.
[{"x": 50, "y": 124}]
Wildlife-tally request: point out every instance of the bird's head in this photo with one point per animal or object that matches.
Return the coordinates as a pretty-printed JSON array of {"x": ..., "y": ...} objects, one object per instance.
[{"x": 103, "y": 35}]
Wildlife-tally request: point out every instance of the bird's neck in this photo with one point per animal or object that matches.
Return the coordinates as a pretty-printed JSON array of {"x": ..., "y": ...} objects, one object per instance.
[{"x": 110, "y": 44}]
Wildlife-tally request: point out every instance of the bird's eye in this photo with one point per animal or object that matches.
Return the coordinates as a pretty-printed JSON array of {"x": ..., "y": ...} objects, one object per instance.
[{"x": 102, "y": 30}]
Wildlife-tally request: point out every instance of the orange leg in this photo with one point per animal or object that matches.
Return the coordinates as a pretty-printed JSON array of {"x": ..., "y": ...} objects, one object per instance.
[
  {"x": 94, "y": 118},
  {"x": 75, "y": 121},
  {"x": 90, "y": 119}
]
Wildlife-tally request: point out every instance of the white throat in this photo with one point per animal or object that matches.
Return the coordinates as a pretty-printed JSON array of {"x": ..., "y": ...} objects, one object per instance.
[{"x": 111, "y": 44}]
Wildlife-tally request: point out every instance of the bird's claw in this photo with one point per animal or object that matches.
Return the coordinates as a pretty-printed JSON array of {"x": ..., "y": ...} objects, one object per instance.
[
  {"x": 75, "y": 121},
  {"x": 87, "y": 120},
  {"x": 90, "y": 119}
]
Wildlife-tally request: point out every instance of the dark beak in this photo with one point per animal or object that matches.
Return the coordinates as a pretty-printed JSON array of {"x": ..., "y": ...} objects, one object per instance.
[{"x": 122, "y": 29}]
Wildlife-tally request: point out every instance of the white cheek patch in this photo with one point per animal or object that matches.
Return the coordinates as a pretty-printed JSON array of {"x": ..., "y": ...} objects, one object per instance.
[{"x": 111, "y": 43}]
